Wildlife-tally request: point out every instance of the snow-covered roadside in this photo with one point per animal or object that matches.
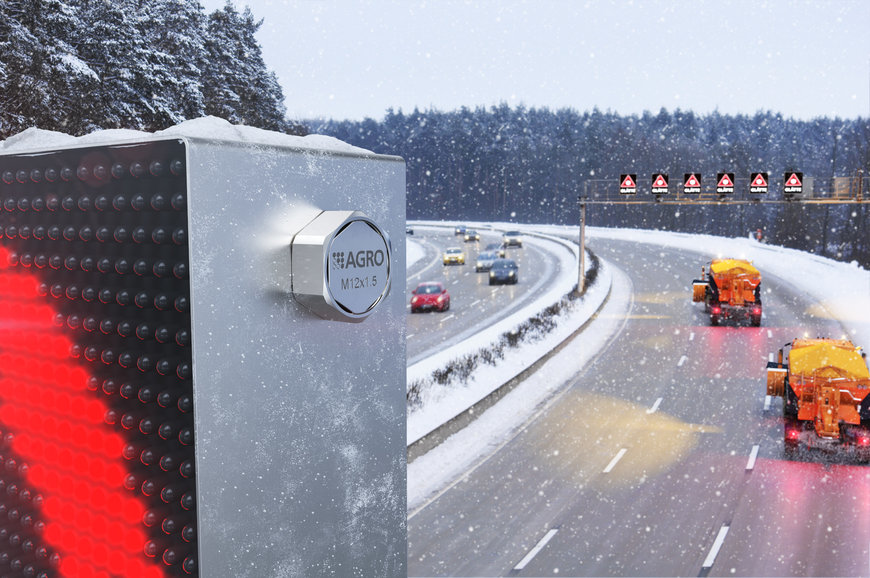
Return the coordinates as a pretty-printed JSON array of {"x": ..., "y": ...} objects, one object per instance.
[
  {"x": 843, "y": 290},
  {"x": 441, "y": 404}
]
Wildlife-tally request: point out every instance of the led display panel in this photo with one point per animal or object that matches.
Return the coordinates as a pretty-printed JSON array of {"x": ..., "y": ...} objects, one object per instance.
[{"x": 168, "y": 405}]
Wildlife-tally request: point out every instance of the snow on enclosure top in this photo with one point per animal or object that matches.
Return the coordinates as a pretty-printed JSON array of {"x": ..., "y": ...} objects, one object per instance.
[{"x": 206, "y": 128}]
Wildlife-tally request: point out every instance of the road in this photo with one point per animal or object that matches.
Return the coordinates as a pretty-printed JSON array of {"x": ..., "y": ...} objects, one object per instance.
[
  {"x": 474, "y": 303},
  {"x": 659, "y": 459}
]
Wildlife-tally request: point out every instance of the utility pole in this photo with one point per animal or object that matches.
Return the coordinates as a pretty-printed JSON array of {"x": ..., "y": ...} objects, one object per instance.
[{"x": 581, "y": 273}]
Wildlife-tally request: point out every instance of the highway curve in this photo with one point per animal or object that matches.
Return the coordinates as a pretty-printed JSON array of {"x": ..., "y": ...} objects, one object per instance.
[
  {"x": 659, "y": 459},
  {"x": 474, "y": 303}
]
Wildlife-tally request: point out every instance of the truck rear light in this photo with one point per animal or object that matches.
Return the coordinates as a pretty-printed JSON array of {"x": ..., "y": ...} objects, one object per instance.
[
  {"x": 756, "y": 310},
  {"x": 716, "y": 310},
  {"x": 792, "y": 434}
]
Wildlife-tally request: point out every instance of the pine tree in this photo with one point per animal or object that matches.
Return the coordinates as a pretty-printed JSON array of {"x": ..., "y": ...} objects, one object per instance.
[
  {"x": 174, "y": 31},
  {"x": 236, "y": 83},
  {"x": 42, "y": 78}
]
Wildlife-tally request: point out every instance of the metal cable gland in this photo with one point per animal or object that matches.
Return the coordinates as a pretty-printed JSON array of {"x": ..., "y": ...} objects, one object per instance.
[{"x": 340, "y": 265}]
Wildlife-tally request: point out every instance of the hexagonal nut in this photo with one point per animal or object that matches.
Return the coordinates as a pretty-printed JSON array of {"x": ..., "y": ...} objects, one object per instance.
[{"x": 340, "y": 265}]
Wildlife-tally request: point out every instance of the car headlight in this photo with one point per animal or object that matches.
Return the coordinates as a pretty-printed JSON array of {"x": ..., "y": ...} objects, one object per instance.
[{"x": 511, "y": 274}]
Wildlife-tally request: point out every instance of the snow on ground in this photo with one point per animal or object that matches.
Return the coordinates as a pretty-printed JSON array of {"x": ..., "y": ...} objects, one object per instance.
[
  {"x": 840, "y": 289},
  {"x": 442, "y": 404}
]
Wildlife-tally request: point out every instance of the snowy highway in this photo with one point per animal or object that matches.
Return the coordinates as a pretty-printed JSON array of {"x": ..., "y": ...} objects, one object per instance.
[
  {"x": 662, "y": 457},
  {"x": 474, "y": 303}
]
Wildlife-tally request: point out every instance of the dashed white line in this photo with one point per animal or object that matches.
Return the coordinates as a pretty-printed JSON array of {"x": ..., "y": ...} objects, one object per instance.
[
  {"x": 769, "y": 334},
  {"x": 655, "y": 406},
  {"x": 691, "y": 336},
  {"x": 615, "y": 460},
  {"x": 473, "y": 303},
  {"x": 717, "y": 545},
  {"x": 753, "y": 455},
  {"x": 682, "y": 360},
  {"x": 534, "y": 551},
  {"x": 767, "y": 400}
]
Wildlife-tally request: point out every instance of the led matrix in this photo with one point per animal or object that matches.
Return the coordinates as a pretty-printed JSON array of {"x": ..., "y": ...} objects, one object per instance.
[{"x": 96, "y": 410}]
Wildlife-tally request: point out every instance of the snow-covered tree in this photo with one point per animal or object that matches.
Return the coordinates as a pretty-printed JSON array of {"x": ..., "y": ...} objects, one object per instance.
[
  {"x": 42, "y": 77},
  {"x": 236, "y": 83}
]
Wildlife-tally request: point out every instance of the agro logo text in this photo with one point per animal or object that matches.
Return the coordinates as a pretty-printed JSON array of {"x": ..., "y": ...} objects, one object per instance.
[{"x": 358, "y": 259}]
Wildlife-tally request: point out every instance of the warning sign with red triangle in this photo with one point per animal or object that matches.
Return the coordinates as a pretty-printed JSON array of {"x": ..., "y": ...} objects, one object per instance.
[
  {"x": 691, "y": 183},
  {"x": 725, "y": 183},
  {"x": 758, "y": 183},
  {"x": 628, "y": 184},
  {"x": 660, "y": 184},
  {"x": 793, "y": 183}
]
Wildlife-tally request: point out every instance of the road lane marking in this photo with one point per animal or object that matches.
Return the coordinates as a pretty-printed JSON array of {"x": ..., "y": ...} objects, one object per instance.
[
  {"x": 767, "y": 400},
  {"x": 655, "y": 406},
  {"x": 769, "y": 334},
  {"x": 534, "y": 551},
  {"x": 615, "y": 460},
  {"x": 752, "y": 457},
  {"x": 474, "y": 303},
  {"x": 682, "y": 360},
  {"x": 692, "y": 336},
  {"x": 717, "y": 544}
]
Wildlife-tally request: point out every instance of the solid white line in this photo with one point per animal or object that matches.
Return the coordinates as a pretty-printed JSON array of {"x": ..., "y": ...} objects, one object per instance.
[
  {"x": 615, "y": 460},
  {"x": 752, "y": 457},
  {"x": 655, "y": 406},
  {"x": 534, "y": 551},
  {"x": 717, "y": 544},
  {"x": 767, "y": 400},
  {"x": 682, "y": 360}
]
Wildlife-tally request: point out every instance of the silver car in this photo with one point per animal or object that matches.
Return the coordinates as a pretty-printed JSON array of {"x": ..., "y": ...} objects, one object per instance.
[{"x": 485, "y": 261}]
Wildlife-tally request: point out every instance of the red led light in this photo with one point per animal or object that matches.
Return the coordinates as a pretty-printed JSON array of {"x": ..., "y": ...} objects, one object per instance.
[{"x": 57, "y": 427}]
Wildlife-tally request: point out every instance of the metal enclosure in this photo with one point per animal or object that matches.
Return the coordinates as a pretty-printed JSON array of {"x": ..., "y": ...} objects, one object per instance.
[{"x": 241, "y": 434}]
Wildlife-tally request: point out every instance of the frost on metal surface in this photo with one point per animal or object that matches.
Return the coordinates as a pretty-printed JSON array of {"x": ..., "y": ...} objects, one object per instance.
[{"x": 315, "y": 407}]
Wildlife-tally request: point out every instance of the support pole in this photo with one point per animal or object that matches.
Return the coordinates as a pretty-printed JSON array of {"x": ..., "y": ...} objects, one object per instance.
[{"x": 581, "y": 273}]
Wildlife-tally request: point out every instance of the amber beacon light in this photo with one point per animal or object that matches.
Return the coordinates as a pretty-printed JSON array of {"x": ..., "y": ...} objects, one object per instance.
[{"x": 158, "y": 405}]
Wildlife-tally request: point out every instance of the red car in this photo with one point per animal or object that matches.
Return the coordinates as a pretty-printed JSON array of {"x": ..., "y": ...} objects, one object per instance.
[{"x": 429, "y": 296}]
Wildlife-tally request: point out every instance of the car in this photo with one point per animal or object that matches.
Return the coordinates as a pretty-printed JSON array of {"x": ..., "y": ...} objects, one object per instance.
[
  {"x": 459, "y": 230},
  {"x": 497, "y": 248},
  {"x": 503, "y": 271},
  {"x": 485, "y": 261},
  {"x": 454, "y": 256},
  {"x": 430, "y": 296},
  {"x": 512, "y": 239},
  {"x": 471, "y": 235}
]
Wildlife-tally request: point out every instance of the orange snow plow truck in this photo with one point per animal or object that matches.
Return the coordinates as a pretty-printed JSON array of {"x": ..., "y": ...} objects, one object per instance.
[
  {"x": 823, "y": 384},
  {"x": 729, "y": 288}
]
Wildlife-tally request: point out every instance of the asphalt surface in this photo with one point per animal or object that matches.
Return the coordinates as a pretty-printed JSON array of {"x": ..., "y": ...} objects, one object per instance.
[
  {"x": 659, "y": 459},
  {"x": 474, "y": 303}
]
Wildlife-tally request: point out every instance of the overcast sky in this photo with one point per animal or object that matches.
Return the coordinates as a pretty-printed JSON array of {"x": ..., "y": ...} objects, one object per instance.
[{"x": 350, "y": 59}]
